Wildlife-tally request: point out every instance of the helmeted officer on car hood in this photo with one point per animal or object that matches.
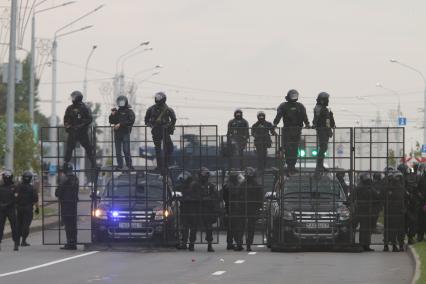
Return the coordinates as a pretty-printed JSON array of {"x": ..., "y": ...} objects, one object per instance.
[
  {"x": 237, "y": 136},
  {"x": 262, "y": 131}
]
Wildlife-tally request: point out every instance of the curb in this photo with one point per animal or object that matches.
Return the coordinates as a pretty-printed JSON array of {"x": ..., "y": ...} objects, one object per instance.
[
  {"x": 416, "y": 259},
  {"x": 34, "y": 229}
]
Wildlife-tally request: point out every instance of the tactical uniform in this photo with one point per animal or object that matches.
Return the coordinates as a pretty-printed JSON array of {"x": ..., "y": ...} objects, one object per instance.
[
  {"x": 294, "y": 116},
  {"x": 27, "y": 197},
  {"x": 262, "y": 139},
  {"x": 67, "y": 194},
  {"x": 188, "y": 209},
  {"x": 123, "y": 118},
  {"x": 8, "y": 207},
  {"x": 413, "y": 204},
  {"x": 228, "y": 190},
  {"x": 237, "y": 136},
  {"x": 77, "y": 120},
  {"x": 324, "y": 123},
  {"x": 162, "y": 120},
  {"x": 421, "y": 188}
]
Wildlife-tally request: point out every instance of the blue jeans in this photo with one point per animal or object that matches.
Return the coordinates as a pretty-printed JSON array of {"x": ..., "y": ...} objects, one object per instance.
[{"x": 122, "y": 141}]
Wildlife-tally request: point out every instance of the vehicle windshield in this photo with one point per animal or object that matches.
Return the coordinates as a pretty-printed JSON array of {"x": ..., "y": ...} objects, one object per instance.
[
  {"x": 143, "y": 187},
  {"x": 309, "y": 186}
]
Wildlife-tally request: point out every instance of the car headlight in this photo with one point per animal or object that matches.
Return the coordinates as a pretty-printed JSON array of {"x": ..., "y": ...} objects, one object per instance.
[
  {"x": 344, "y": 213},
  {"x": 288, "y": 215},
  {"x": 161, "y": 214},
  {"x": 100, "y": 214}
]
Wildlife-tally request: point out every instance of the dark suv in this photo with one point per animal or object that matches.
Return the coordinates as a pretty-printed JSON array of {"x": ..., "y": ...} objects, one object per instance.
[
  {"x": 135, "y": 206},
  {"x": 308, "y": 210}
]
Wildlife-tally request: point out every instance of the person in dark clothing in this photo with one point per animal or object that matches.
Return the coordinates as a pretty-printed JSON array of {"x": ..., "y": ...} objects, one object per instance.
[
  {"x": 294, "y": 116},
  {"x": 231, "y": 186},
  {"x": 365, "y": 196},
  {"x": 27, "y": 199},
  {"x": 67, "y": 194},
  {"x": 77, "y": 120},
  {"x": 8, "y": 207},
  {"x": 237, "y": 137},
  {"x": 122, "y": 120},
  {"x": 421, "y": 189},
  {"x": 394, "y": 211},
  {"x": 378, "y": 203},
  {"x": 262, "y": 139},
  {"x": 253, "y": 192},
  {"x": 323, "y": 123},
  {"x": 208, "y": 205},
  {"x": 162, "y": 120},
  {"x": 188, "y": 209}
]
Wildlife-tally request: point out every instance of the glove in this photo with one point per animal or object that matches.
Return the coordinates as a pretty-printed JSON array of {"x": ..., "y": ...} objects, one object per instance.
[{"x": 37, "y": 211}]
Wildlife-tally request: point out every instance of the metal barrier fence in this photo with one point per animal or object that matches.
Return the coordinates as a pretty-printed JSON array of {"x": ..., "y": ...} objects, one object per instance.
[{"x": 315, "y": 202}]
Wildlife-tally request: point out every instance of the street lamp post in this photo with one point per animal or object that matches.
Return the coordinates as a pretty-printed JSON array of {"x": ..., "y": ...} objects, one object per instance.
[
  {"x": 85, "y": 69},
  {"x": 395, "y": 93},
  {"x": 424, "y": 92}
]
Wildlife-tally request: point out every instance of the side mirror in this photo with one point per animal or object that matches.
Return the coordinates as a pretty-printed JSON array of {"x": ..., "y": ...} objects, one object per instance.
[{"x": 271, "y": 195}]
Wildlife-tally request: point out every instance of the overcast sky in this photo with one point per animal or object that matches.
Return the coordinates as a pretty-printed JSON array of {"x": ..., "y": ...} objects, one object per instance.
[{"x": 223, "y": 54}]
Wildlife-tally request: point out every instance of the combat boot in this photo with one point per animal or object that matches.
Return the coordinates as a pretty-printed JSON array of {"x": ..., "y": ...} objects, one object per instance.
[
  {"x": 16, "y": 246},
  {"x": 395, "y": 248},
  {"x": 191, "y": 247},
  {"x": 248, "y": 248},
  {"x": 210, "y": 248},
  {"x": 386, "y": 248}
]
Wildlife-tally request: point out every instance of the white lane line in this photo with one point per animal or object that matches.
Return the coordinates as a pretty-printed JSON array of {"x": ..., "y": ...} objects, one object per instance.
[
  {"x": 252, "y": 253},
  {"x": 47, "y": 264},
  {"x": 261, "y": 246},
  {"x": 240, "y": 261},
  {"x": 218, "y": 273}
]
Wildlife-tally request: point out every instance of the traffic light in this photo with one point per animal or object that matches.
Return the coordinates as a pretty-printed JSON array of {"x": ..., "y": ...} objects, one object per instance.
[
  {"x": 314, "y": 153},
  {"x": 301, "y": 153}
]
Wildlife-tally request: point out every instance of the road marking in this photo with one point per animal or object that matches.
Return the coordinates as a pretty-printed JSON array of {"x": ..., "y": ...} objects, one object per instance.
[
  {"x": 47, "y": 264},
  {"x": 260, "y": 246},
  {"x": 218, "y": 273},
  {"x": 252, "y": 253},
  {"x": 240, "y": 261}
]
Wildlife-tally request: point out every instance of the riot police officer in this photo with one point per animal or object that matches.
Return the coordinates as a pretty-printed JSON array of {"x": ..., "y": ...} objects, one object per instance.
[
  {"x": 294, "y": 116},
  {"x": 208, "y": 205},
  {"x": 262, "y": 139},
  {"x": 323, "y": 123},
  {"x": 253, "y": 202},
  {"x": 8, "y": 207},
  {"x": 122, "y": 121},
  {"x": 237, "y": 136},
  {"x": 231, "y": 186},
  {"x": 27, "y": 199},
  {"x": 394, "y": 211},
  {"x": 365, "y": 197},
  {"x": 67, "y": 194},
  {"x": 421, "y": 189},
  {"x": 77, "y": 120},
  {"x": 188, "y": 209},
  {"x": 162, "y": 120}
]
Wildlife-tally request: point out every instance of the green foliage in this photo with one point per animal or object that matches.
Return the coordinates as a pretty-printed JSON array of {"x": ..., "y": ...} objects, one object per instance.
[
  {"x": 391, "y": 158},
  {"x": 421, "y": 251}
]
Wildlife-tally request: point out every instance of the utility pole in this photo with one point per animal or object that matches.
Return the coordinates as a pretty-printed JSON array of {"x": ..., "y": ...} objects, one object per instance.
[
  {"x": 10, "y": 112},
  {"x": 32, "y": 71}
]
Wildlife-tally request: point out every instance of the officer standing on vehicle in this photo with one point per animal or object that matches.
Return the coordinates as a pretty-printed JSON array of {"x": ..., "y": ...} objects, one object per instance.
[
  {"x": 364, "y": 209},
  {"x": 262, "y": 139},
  {"x": 162, "y": 120},
  {"x": 67, "y": 194},
  {"x": 394, "y": 211},
  {"x": 421, "y": 188},
  {"x": 294, "y": 116},
  {"x": 27, "y": 199},
  {"x": 323, "y": 123},
  {"x": 253, "y": 203},
  {"x": 208, "y": 206},
  {"x": 8, "y": 207},
  {"x": 231, "y": 186},
  {"x": 122, "y": 121},
  {"x": 188, "y": 209},
  {"x": 237, "y": 136},
  {"x": 77, "y": 120}
]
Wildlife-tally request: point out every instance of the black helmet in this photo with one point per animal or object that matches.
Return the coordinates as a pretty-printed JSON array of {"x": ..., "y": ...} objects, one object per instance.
[
  {"x": 27, "y": 177},
  {"x": 67, "y": 168},
  {"x": 76, "y": 97},
  {"x": 323, "y": 98},
  {"x": 377, "y": 176},
  {"x": 250, "y": 172},
  {"x": 7, "y": 177},
  {"x": 184, "y": 176},
  {"x": 292, "y": 95},
  {"x": 122, "y": 101},
  {"x": 403, "y": 168},
  {"x": 160, "y": 98},
  {"x": 365, "y": 178},
  {"x": 421, "y": 169},
  {"x": 233, "y": 177},
  {"x": 261, "y": 115},
  {"x": 238, "y": 111},
  {"x": 388, "y": 170},
  {"x": 204, "y": 172},
  {"x": 396, "y": 176}
]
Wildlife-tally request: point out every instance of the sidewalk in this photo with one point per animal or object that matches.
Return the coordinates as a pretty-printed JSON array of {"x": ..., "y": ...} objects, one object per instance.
[{"x": 36, "y": 226}]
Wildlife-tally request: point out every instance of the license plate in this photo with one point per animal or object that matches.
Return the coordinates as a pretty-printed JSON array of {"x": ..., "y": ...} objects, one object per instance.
[
  {"x": 317, "y": 225},
  {"x": 130, "y": 225}
]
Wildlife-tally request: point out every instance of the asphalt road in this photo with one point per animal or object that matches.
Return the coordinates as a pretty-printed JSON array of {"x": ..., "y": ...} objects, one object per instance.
[{"x": 48, "y": 264}]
